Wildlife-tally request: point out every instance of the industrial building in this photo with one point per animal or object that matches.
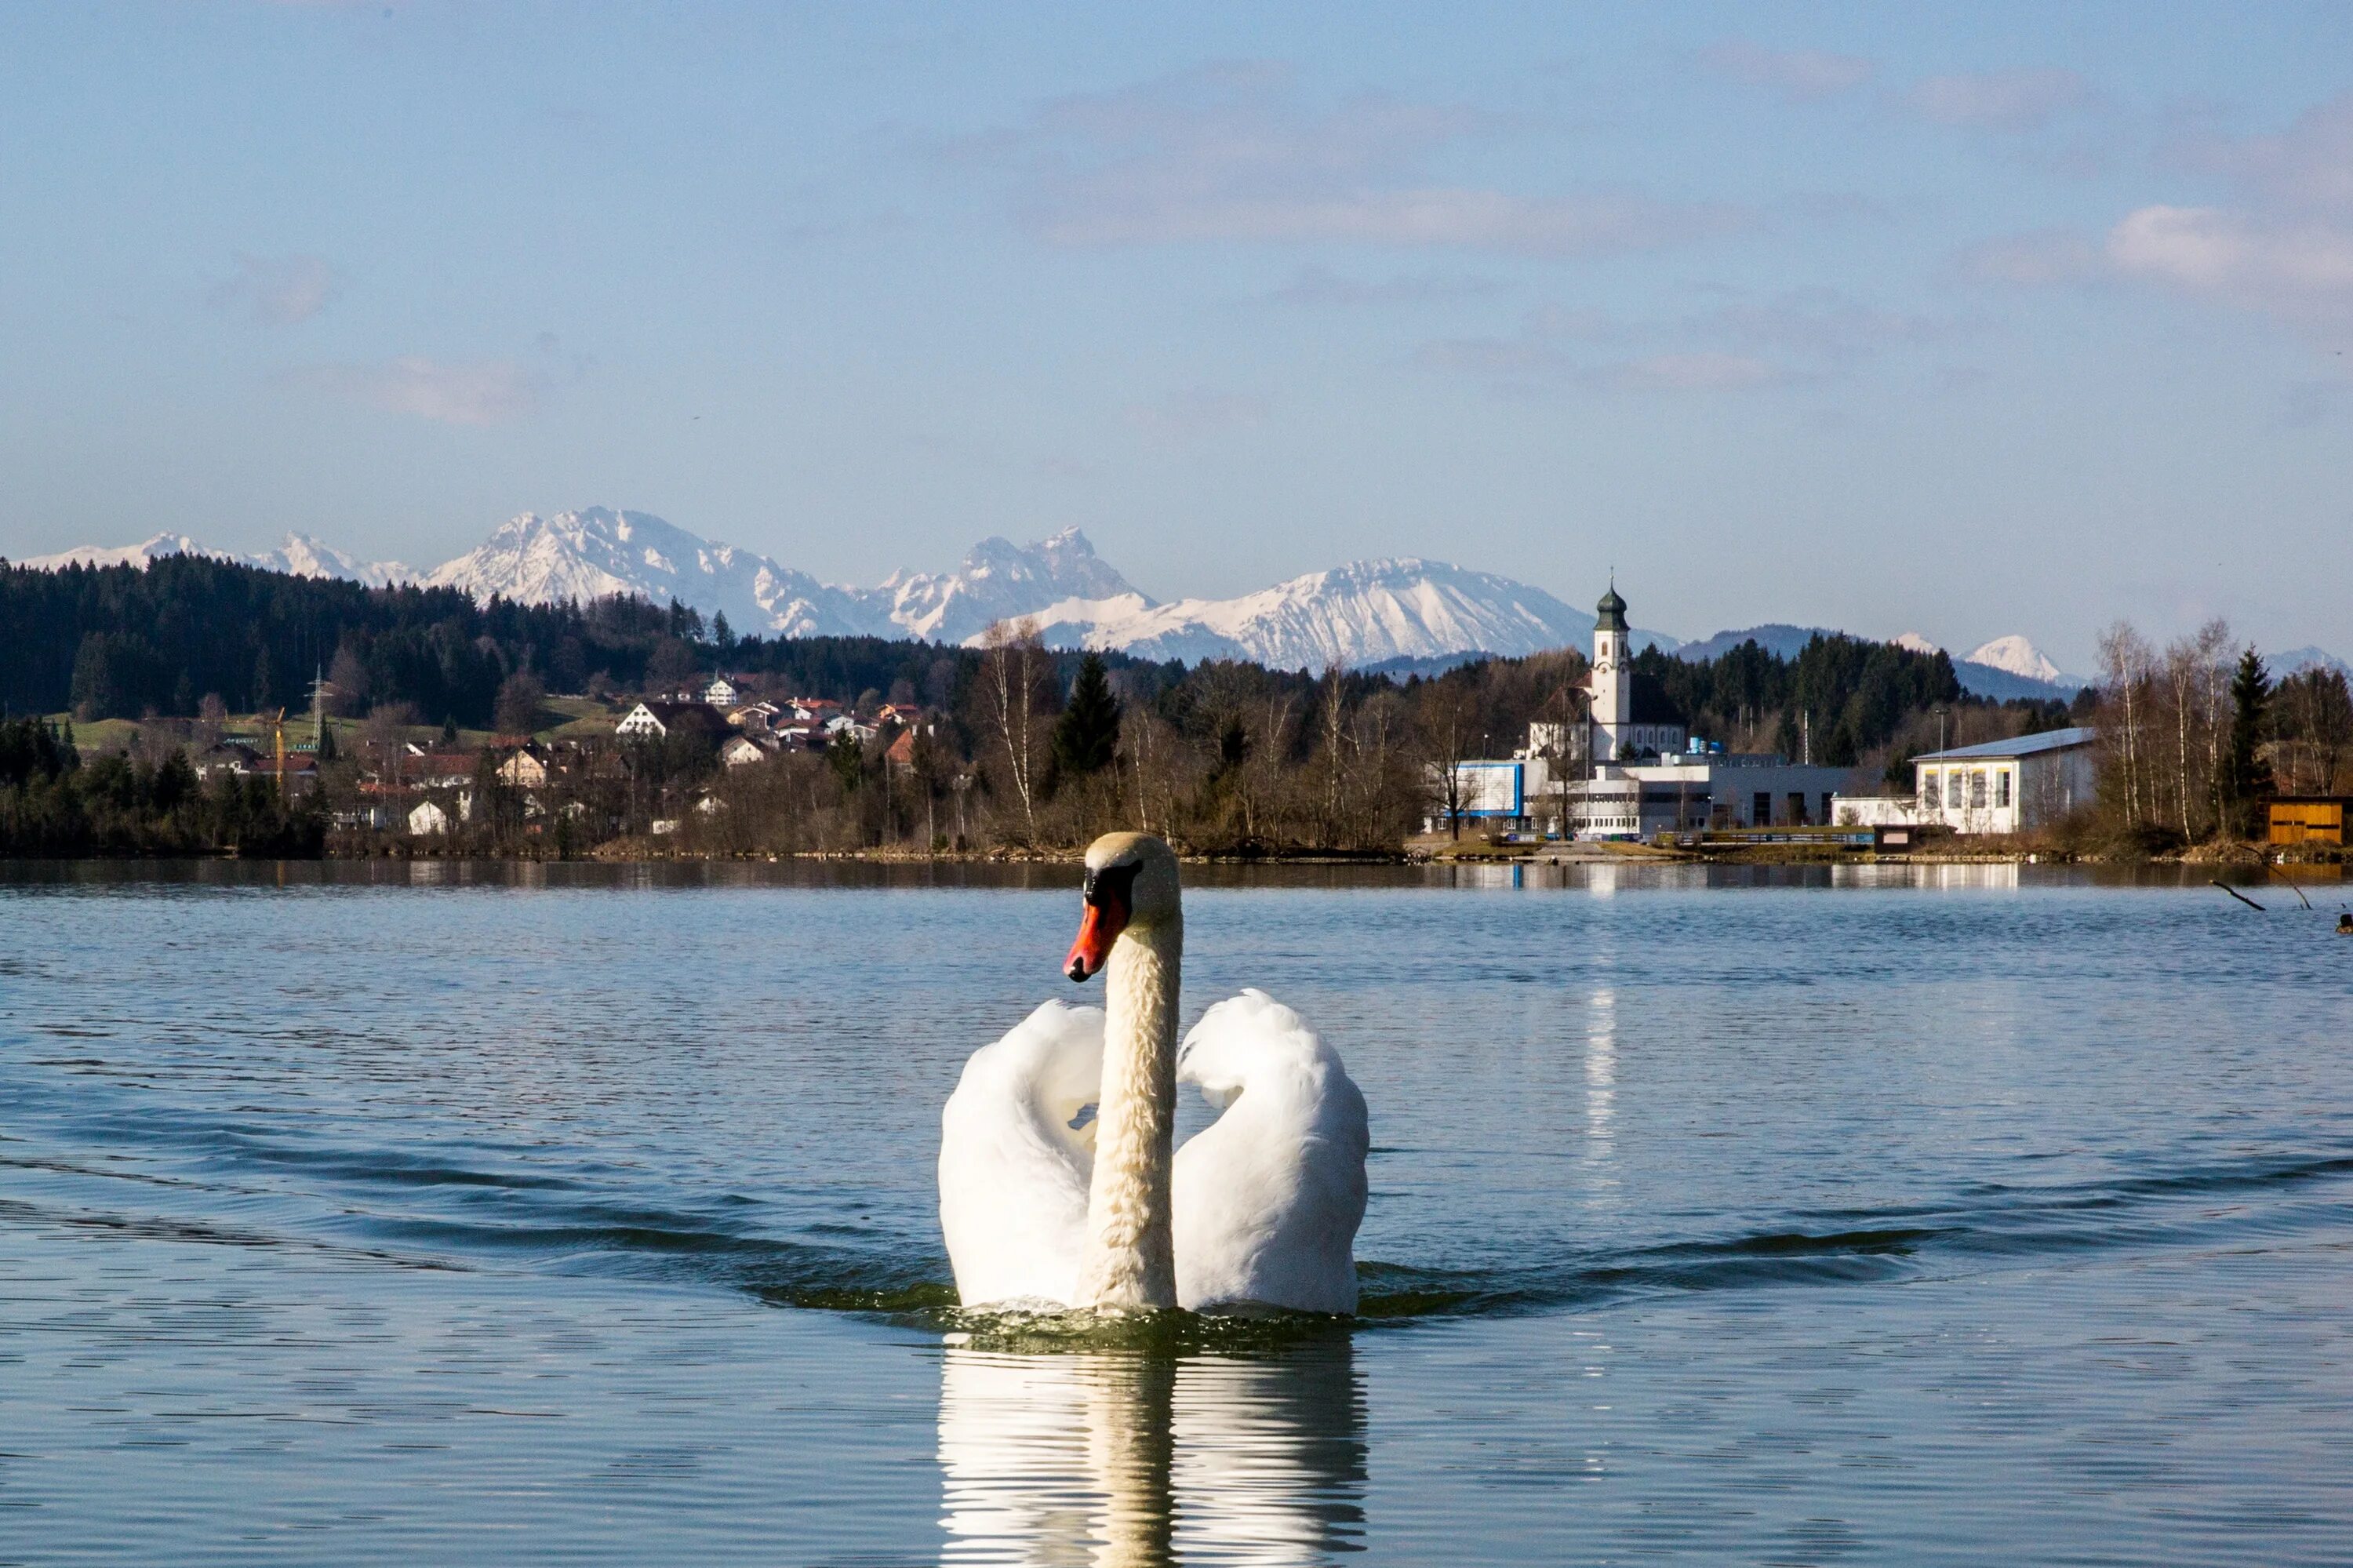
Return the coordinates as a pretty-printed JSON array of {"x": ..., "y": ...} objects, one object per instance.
[{"x": 2005, "y": 786}]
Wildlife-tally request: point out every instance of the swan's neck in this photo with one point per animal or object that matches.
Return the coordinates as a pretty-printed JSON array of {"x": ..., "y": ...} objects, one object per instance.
[{"x": 1130, "y": 1262}]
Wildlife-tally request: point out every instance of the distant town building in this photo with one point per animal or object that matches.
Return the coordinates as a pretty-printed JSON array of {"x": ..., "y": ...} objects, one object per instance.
[
  {"x": 760, "y": 716},
  {"x": 427, "y": 817},
  {"x": 227, "y": 756},
  {"x": 2007, "y": 786},
  {"x": 743, "y": 750},
  {"x": 652, "y": 720},
  {"x": 526, "y": 769},
  {"x": 723, "y": 693}
]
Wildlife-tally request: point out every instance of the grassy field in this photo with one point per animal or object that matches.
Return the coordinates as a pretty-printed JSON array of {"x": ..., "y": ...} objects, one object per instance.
[{"x": 560, "y": 718}]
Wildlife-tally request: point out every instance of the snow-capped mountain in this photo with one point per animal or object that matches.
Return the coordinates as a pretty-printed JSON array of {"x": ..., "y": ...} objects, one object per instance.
[
  {"x": 142, "y": 555},
  {"x": 1978, "y": 676},
  {"x": 2295, "y": 661},
  {"x": 297, "y": 554},
  {"x": 1395, "y": 611},
  {"x": 1359, "y": 614},
  {"x": 598, "y": 552},
  {"x": 1001, "y": 581},
  {"x": 1363, "y": 613},
  {"x": 2015, "y": 655},
  {"x": 306, "y": 557}
]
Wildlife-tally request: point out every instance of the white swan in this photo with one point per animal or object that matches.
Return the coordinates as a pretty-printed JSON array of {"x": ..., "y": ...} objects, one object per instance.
[{"x": 1260, "y": 1208}]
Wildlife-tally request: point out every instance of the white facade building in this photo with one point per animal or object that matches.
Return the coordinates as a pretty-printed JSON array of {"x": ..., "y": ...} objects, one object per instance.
[
  {"x": 1622, "y": 728},
  {"x": 2007, "y": 786}
]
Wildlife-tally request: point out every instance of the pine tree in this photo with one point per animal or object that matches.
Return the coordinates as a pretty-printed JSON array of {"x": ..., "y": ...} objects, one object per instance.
[
  {"x": 1086, "y": 737},
  {"x": 2247, "y": 776}
]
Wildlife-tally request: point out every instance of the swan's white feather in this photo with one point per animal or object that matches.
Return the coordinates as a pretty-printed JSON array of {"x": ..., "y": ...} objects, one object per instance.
[
  {"x": 1013, "y": 1173},
  {"x": 1266, "y": 1200}
]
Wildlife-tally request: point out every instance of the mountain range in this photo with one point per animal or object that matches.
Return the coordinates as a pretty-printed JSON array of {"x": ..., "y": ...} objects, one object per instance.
[
  {"x": 2004, "y": 668},
  {"x": 1399, "y": 614},
  {"x": 1397, "y": 610},
  {"x": 297, "y": 554}
]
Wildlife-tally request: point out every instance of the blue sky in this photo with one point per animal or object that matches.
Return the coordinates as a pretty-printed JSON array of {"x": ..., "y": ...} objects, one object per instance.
[{"x": 1965, "y": 320}]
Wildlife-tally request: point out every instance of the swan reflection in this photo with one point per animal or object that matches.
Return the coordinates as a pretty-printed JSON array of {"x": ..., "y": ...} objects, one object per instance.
[{"x": 1134, "y": 1459}]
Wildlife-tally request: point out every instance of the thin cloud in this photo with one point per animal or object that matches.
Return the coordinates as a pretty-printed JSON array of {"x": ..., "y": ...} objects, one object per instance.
[
  {"x": 1800, "y": 75},
  {"x": 2294, "y": 269},
  {"x": 1231, "y": 154},
  {"x": 2012, "y": 100},
  {"x": 2307, "y": 167},
  {"x": 1707, "y": 372},
  {"x": 478, "y": 393},
  {"x": 1322, "y": 286},
  {"x": 2041, "y": 258},
  {"x": 275, "y": 291},
  {"x": 1195, "y": 412},
  {"x": 1803, "y": 335},
  {"x": 2280, "y": 245}
]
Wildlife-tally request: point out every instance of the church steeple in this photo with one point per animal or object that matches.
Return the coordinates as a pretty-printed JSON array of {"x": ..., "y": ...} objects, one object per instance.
[
  {"x": 1611, "y": 610},
  {"x": 1612, "y": 684}
]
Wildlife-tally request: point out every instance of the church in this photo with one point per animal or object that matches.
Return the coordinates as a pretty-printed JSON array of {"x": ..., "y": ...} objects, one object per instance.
[{"x": 1632, "y": 718}]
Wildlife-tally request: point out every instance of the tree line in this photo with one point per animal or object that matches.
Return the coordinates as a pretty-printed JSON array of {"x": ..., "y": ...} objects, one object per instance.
[
  {"x": 1020, "y": 744},
  {"x": 52, "y": 802},
  {"x": 2195, "y": 734}
]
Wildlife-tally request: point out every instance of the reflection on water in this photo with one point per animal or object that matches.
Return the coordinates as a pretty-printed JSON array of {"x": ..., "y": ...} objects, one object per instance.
[
  {"x": 1601, "y": 1091},
  {"x": 1132, "y": 1459}
]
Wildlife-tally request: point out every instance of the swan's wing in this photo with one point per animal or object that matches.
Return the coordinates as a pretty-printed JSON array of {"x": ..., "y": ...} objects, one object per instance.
[
  {"x": 1268, "y": 1197},
  {"x": 1013, "y": 1172}
]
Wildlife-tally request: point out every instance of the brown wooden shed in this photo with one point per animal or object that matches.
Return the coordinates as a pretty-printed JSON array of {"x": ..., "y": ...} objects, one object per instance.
[{"x": 2309, "y": 819}]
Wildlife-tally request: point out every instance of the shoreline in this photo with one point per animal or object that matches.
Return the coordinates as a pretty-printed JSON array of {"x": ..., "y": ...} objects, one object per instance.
[{"x": 2219, "y": 858}]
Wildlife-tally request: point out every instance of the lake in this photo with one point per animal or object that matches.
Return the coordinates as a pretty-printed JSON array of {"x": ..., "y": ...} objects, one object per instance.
[{"x": 365, "y": 1213}]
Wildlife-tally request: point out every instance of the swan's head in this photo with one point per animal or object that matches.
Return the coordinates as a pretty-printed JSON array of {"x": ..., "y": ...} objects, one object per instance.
[{"x": 1130, "y": 882}]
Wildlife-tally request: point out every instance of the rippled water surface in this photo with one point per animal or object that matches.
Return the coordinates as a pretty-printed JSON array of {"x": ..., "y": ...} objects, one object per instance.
[{"x": 362, "y": 1214}]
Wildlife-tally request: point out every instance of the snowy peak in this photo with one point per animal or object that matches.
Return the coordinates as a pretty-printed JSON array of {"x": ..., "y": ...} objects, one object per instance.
[
  {"x": 142, "y": 555},
  {"x": 297, "y": 554},
  {"x": 1000, "y": 580},
  {"x": 1366, "y": 612},
  {"x": 2014, "y": 655},
  {"x": 305, "y": 556},
  {"x": 597, "y": 552}
]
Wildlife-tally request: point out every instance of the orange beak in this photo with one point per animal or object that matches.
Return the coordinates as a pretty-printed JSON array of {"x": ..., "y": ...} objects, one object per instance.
[{"x": 1099, "y": 928}]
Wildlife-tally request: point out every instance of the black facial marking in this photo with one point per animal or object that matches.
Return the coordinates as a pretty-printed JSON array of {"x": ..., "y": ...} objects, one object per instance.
[{"x": 1115, "y": 882}]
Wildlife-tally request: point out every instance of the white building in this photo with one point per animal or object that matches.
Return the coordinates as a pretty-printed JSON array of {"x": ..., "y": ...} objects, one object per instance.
[
  {"x": 2007, "y": 786},
  {"x": 1685, "y": 792},
  {"x": 722, "y": 693},
  {"x": 743, "y": 751},
  {"x": 1625, "y": 724},
  {"x": 427, "y": 817}
]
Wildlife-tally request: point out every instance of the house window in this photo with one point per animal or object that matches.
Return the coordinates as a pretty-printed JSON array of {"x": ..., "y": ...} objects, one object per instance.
[
  {"x": 1760, "y": 810},
  {"x": 1927, "y": 789},
  {"x": 1953, "y": 788},
  {"x": 1977, "y": 788},
  {"x": 2001, "y": 788}
]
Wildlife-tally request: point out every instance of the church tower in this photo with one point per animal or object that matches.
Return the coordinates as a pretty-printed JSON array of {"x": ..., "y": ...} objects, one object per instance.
[{"x": 1613, "y": 683}]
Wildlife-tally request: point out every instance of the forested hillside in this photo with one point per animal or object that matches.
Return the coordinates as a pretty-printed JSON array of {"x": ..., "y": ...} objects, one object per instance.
[{"x": 121, "y": 642}]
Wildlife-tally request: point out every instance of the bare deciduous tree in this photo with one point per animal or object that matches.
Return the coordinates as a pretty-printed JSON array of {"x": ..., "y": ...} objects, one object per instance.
[{"x": 1012, "y": 666}]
